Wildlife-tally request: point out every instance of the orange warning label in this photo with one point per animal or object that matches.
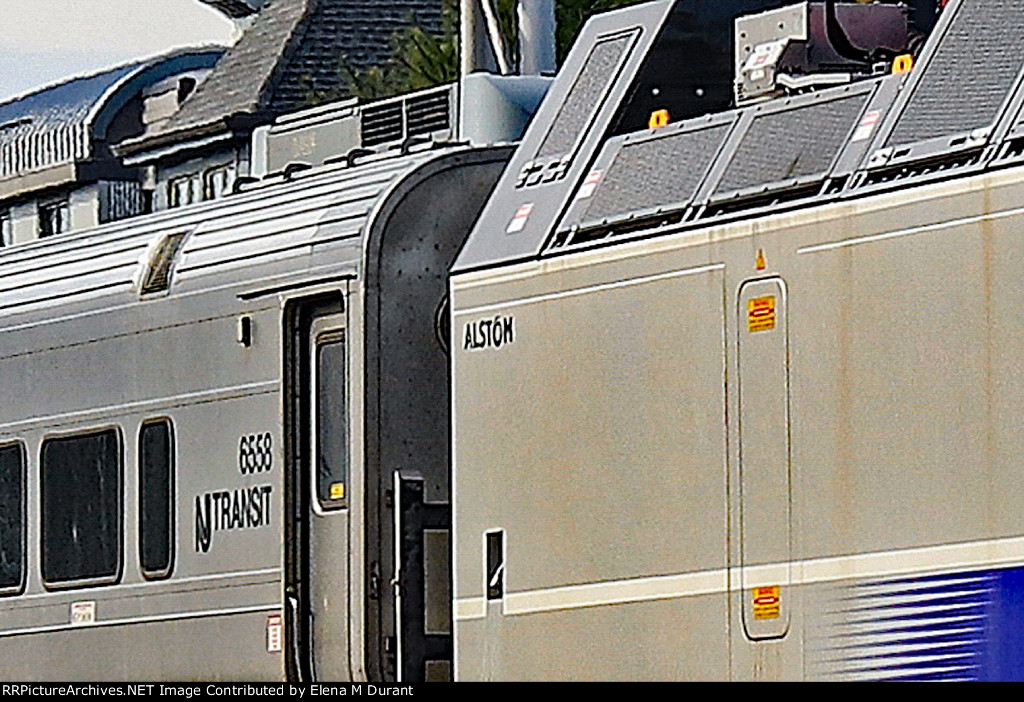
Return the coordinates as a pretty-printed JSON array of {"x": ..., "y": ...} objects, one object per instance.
[
  {"x": 766, "y": 602},
  {"x": 761, "y": 314}
]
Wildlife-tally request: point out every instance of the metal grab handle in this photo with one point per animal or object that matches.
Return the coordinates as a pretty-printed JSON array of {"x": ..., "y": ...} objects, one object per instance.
[{"x": 293, "y": 612}]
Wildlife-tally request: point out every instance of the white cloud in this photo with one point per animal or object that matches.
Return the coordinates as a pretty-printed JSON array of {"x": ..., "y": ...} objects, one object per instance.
[{"x": 45, "y": 41}]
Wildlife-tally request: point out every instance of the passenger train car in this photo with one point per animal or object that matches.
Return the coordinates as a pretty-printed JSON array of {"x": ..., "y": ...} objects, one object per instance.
[
  {"x": 733, "y": 396},
  {"x": 210, "y": 415},
  {"x": 741, "y": 396}
]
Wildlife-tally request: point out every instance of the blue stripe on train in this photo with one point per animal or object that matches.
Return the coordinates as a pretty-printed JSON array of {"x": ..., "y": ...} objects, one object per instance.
[
  {"x": 1003, "y": 658},
  {"x": 973, "y": 627}
]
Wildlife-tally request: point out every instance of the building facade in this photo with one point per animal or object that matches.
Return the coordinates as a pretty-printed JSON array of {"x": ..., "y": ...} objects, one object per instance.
[
  {"x": 57, "y": 169},
  {"x": 289, "y": 50},
  {"x": 178, "y": 129}
]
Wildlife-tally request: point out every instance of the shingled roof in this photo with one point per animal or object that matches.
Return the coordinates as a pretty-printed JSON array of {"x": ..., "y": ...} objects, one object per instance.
[
  {"x": 235, "y": 8},
  {"x": 59, "y": 115},
  {"x": 359, "y": 30},
  {"x": 289, "y": 45}
]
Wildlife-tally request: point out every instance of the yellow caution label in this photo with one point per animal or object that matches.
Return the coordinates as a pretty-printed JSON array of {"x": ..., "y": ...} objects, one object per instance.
[
  {"x": 337, "y": 491},
  {"x": 767, "y": 602},
  {"x": 761, "y": 314}
]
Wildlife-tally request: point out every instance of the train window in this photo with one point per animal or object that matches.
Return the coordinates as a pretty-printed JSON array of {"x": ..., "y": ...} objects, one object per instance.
[
  {"x": 12, "y": 517},
  {"x": 81, "y": 508},
  {"x": 156, "y": 488},
  {"x": 331, "y": 424}
]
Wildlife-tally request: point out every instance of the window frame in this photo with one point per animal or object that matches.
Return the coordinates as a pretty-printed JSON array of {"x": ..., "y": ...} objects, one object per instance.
[
  {"x": 194, "y": 183},
  {"x": 13, "y": 590},
  {"x": 208, "y": 181},
  {"x": 60, "y": 206},
  {"x": 6, "y": 227},
  {"x": 86, "y": 582},
  {"x": 327, "y": 331},
  {"x": 172, "y": 485}
]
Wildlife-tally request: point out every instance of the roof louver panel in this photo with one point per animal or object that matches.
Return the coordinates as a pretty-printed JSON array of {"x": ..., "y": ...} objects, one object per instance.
[
  {"x": 663, "y": 172},
  {"x": 779, "y": 147}
]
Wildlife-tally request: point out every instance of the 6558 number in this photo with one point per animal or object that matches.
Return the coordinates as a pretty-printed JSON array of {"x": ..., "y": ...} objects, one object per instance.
[{"x": 255, "y": 453}]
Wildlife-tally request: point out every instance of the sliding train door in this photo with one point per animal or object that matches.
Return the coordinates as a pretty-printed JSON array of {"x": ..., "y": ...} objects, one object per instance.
[{"x": 320, "y": 496}]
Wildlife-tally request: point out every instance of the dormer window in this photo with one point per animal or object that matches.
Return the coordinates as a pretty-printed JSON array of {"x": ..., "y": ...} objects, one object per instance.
[{"x": 185, "y": 87}]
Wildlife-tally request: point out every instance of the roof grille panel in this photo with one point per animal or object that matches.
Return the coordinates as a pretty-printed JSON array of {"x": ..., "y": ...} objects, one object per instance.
[
  {"x": 663, "y": 172},
  {"x": 418, "y": 114},
  {"x": 156, "y": 275},
  {"x": 778, "y": 147},
  {"x": 587, "y": 95},
  {"x": 428, "y": 113},
  {"x": 967, "y": 79},
  {"x": 381, "y": 123}
]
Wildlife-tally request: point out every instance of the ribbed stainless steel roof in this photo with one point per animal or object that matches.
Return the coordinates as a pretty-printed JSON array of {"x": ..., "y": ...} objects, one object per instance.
[{"x": 318, "y": 210}]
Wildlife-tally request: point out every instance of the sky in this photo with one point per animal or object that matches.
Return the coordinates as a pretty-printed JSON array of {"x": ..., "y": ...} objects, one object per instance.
[{"x": 46, "y": 41}]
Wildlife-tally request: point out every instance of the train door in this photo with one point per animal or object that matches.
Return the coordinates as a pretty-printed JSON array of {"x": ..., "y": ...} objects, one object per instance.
[
  {"x": 320, "y": 497},
  {"x": 765, "y": 524}
]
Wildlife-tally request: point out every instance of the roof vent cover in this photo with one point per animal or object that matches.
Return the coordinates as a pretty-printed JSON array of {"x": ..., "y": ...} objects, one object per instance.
[
  {"x": 158, "y": 262},
  {"x": 423, "y": 113},
  {"x": 967, "y": 80}
]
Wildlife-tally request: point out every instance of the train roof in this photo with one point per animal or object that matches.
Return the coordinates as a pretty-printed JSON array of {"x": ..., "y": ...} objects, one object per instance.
[
  {"x": 285, "y": 227},
  {"x": 576, "y": 182}
]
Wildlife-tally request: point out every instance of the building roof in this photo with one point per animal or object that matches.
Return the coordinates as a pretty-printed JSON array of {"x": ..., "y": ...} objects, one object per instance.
[
  {"x": 60, "y": 123},
  {"x": 291, "y": 45},
  {"x": 240, "y": 81},
  {"x": 58, "y": 115},
  {"x": 359, "y": 30},
  {"x": 235, "y": 8}
]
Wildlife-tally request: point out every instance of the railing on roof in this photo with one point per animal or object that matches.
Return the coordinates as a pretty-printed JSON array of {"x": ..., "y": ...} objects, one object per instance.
[
  {"x": 336, "y": 131},
  {"x": 33, "y": 151}
]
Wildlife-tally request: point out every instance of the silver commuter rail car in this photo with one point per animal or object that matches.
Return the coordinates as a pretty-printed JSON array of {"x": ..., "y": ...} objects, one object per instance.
[
  {"x": 205, "y": 413},
  {"x": 742, "y": 397}
]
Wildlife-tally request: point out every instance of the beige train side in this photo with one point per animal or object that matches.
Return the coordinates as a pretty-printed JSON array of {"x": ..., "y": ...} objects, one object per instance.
[{"x": 652, "y": 457}]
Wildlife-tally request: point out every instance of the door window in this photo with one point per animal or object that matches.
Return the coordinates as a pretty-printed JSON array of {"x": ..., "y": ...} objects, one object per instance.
[{"x": 331, "y": 423}]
